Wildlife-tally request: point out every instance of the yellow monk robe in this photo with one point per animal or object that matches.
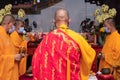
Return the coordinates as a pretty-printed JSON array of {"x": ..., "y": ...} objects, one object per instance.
[
  {"x": 8, "y": 66},
  {"x": 88, "y": 54},
  {"x": 111, "y": 50},
  {"x": 19, "y": 43}
]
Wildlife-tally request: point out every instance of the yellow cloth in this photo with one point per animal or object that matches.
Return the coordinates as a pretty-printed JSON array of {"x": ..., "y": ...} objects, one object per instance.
[
  {"x": 88, "y": 54},
  {"x": 8, "y": 66},
  {"x": 19, "y": 43},
  {"x": 111, "y": 50}
]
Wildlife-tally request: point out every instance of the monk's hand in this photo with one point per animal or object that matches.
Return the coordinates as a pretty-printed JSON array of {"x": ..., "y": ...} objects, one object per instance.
[
  {"x": 18, "y": 57},
  {"x": 100, "y": 55},
  {"x": 23, "y": 55},
  {"x": 23, "y": 50}
]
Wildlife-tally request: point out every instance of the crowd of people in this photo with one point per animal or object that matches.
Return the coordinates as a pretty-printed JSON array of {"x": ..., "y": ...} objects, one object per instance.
[
  {"x": 12, "y": 48},
  {"x": 62, "y": 55}
]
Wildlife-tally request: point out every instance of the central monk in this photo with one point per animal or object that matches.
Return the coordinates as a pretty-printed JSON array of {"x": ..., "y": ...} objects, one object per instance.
[{"x": 63, "y": 54}]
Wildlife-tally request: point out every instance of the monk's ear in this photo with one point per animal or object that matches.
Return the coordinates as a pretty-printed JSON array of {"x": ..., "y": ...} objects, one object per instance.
[
  {"x": 69, "y": 20},
  {"x": 53, "y": 20}
]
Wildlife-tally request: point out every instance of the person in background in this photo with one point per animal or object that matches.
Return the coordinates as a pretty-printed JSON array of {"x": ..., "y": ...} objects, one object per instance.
[
  {"x": 8, "y": 57},
  {"x": 17, "y": 34},
  {"x": 111, "y": 49},
  {"x": 63, "y": 54}
]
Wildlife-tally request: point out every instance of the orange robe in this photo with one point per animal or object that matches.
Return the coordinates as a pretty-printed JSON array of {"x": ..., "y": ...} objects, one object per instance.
[
  {"x": 8, "y": 66},
  {"x": 63, "y": 55},
  {"x": 19, "y": 43},
  {"x": 111, "y": 50}
]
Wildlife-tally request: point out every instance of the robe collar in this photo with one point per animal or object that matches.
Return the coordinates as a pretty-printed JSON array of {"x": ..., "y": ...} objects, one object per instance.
[{"x": 63, "y": 26}]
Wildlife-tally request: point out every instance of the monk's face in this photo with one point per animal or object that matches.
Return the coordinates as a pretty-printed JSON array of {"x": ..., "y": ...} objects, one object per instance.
[
  {"x": 20, "y": 25},
  {"x": 10, "y": 25},
  {"x": 108, "y": 27}
]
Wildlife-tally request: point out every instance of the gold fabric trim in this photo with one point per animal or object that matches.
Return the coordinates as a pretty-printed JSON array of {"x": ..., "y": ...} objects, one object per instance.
[
  {"x": 60, "y": 65},
  {"x": 53, "y": 46},
  {"x": 41, "y": 71},
  {"x": 46, "y": 79},
  {"x": 61, "y": 45},
  {"x": 46, "y": 39},
  {"x": 53, "y": 73},
  {"x": 46, "y": 59}
]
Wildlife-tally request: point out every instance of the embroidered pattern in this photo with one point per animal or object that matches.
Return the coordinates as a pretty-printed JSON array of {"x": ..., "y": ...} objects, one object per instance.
[
  {"x": 40, "y": 49},
  {"x": 61, "y": 45},
  {"x": 46, "y": 79},
  {"x": 46, "y": 39},
  {"x": 74, "y": 70},
  {"x": 35, "y": 78},
  {"x": 60, "y": 65},
  {"x": 53, "y": 46},
  {"x": 53, "y": 73},
  {"x": 60, "y": 34},
  {"x": 73, "y": 44},
  {"x": 41, "y": 70},
  {"x": 46, "y": 59}
]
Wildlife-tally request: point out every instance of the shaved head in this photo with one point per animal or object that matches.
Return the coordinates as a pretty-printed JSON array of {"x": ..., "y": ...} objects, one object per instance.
[
  {"x": 7, "y": 19},
  {"x": 110, "y": 21},
  {"x": 61, "y": 16},
  {"x": 18, "y": 22}
]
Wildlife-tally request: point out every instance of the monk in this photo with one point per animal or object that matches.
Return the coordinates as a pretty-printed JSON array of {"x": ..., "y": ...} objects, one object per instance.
[
  {"x": 111, "y": 49},
  {"x": 8, "y": 57},
  {"x": 63, "y": 54},
  {"x": 17, "y": 37}
]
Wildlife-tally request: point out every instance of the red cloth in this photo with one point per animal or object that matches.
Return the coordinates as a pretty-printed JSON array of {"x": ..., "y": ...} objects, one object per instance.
[
  {"x": 50, "y": 58},
  {"x": 105, "y": 77},
  {"x": 23, "y": 77},
  {"x": 31, "y": 47},
  {"x": 95, "y": 63}
]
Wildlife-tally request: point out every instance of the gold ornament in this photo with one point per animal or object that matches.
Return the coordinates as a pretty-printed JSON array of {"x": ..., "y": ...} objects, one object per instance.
[
  {"x": 97, "y": 12},
  {"x": 21, "y": 13},
  {"x": 104, "y": 13},
  {"x": 105, "y": 8}
]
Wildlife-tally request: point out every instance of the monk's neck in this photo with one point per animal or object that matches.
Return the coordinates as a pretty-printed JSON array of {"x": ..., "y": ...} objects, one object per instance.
[
  {"x": 60, "y": 23},
  {"x": 113, "y": 30},
  {"x": 62, "y": 26}
]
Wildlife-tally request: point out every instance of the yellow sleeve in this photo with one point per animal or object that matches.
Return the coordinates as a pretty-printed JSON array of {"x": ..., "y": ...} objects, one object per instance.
[
  {"x": 114, "y": 57},
  {"x": 6, "y": 63},
  {"x": 24, "y": 44},
  {"x": 22, "y": 65},
  {"x": 8, "y": 66},
  {"x": 88, "y": 54},
  {"x": 15, "y": 41},
  {"x": 1, "y": 48}
]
